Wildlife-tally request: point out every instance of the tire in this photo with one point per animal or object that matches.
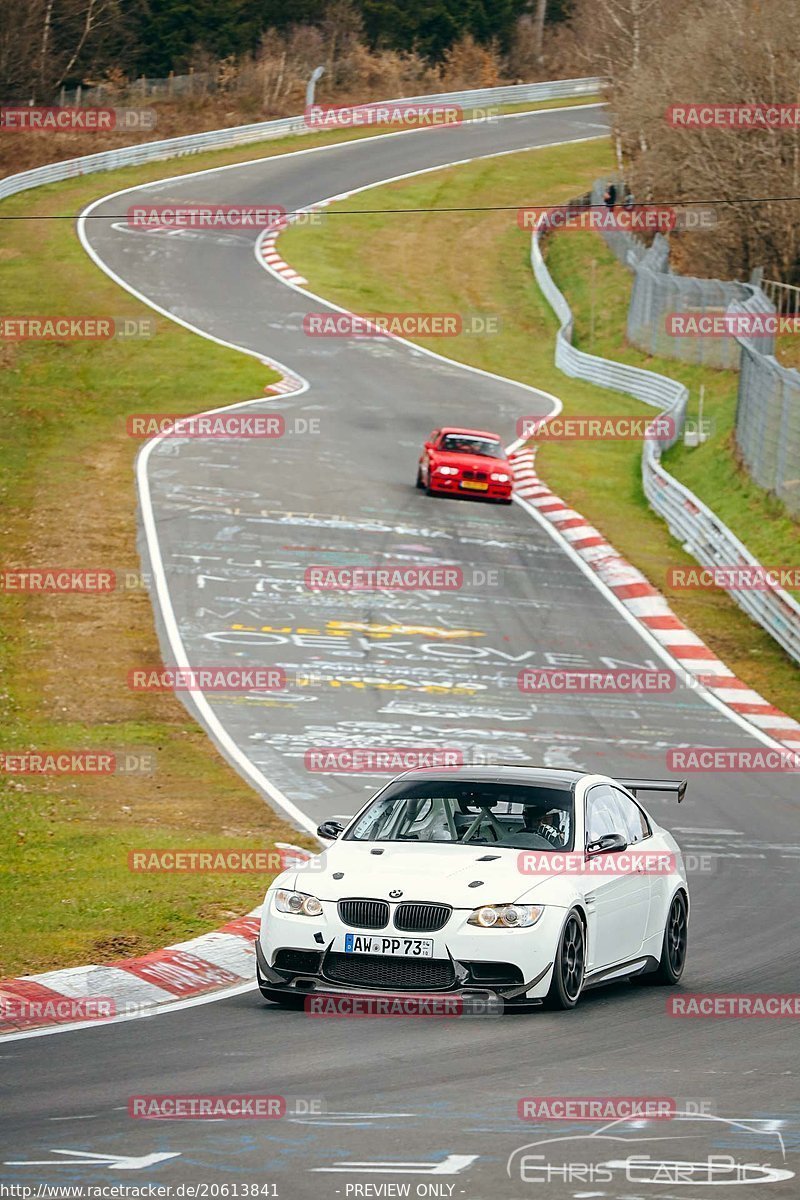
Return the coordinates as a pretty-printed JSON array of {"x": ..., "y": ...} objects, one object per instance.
[
  {"x": 424, "y": 487},
  {"x": 570, "y": 965},
  {"x": 674, "y": 944}
]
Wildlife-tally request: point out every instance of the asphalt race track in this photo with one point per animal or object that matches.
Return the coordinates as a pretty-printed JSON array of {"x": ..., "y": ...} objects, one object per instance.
[{"x": 238, "y": 522}]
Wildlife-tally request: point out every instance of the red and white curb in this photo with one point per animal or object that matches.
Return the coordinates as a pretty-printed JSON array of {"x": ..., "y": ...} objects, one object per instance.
[
  {"x": 285, "y": 386},
  {"x": 136, "y": 987},
  {"x": 266, "y": 247},
  {"x": 646, "y": 604},
  {"x": 269, "y": 255}
]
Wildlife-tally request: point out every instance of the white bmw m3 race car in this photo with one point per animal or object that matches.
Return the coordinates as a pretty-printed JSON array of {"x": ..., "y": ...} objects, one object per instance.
[{"x": 520, "y": 883}]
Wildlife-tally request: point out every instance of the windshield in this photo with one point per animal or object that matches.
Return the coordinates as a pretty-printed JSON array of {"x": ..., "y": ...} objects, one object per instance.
[
  {"x": 520, "y": 816},
  {"x": 462, "y": 443}
]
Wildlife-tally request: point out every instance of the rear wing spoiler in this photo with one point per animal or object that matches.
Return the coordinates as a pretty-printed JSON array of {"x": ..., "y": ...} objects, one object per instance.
[{"x": 655, "y": 785}]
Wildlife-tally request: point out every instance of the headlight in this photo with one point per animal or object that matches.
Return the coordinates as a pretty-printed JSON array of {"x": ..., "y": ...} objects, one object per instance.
[
  {"x": 506, "y": 916},
  {"x": 299, "y": 903},
  {"x": 447, "y": 470},
  {"x": 499, "y": 477}
]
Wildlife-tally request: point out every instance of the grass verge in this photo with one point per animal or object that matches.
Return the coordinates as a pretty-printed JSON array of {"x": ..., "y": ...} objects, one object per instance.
[{"x": 479, "y": 261}]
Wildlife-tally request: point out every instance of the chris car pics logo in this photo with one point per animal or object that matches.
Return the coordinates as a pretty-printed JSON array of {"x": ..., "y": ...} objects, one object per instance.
[{"x": 632, "y": 1151}]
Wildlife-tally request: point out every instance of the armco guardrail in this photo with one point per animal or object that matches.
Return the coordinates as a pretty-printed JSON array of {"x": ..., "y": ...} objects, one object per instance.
[
  {"x": 768, "y": 414},
  {"x": 702, "y": 533},
  {"x": 768, "y": 402},
  {"x": 240, "y": 135},
  {"x": 658, "y": 292}
]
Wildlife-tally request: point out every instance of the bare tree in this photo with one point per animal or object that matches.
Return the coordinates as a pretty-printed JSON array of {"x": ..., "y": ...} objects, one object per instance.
[
  {"x": 21, "y": 36},
  {"x": 44, "y": 41},
  {"x": 538, "y": 28},
  {"x": 732, "y": 52}
]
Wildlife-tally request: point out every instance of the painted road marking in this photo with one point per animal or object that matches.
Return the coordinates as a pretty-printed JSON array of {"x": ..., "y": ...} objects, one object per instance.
[
  {"x": 453, "y": 1164},
  {"x": 114, "y": 1162}
]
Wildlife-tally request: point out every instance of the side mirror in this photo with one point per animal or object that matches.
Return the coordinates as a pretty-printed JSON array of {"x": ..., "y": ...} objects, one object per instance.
[
  {"x": 329, "y": 830},
  {"x": 609, "y": 843},
  {"x": 429, "y": 445}
]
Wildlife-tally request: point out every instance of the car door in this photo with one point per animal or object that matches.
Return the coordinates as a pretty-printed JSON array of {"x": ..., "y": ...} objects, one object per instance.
[
  {"x": 640, "y": 830},
  {"x": 618, "y": 904}
]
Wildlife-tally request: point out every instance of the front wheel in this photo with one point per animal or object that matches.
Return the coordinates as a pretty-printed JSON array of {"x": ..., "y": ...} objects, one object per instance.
[
  {"x": 420, "y": 480},
  {"x": 569, "y": 966}
]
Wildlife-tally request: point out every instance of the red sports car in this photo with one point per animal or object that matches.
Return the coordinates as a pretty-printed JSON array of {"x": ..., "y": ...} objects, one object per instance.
[{"x": 465, "y": 462}]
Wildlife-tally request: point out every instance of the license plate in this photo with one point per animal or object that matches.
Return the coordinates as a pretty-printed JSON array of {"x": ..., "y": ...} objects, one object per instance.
[
  {"x": 359, "y": 943},
  {"x": 474, "y": 485}
]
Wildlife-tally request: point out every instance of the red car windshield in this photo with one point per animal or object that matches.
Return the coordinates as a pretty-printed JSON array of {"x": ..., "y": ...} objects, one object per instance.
[{"x": 462, "y": 443}]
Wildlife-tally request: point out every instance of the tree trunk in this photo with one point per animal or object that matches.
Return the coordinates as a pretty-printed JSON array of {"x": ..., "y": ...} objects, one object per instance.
[{"x": 538, "y": 27}]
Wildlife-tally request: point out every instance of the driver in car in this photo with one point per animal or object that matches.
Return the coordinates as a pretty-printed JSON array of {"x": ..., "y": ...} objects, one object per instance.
[{"x": 546, "y": 825}]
